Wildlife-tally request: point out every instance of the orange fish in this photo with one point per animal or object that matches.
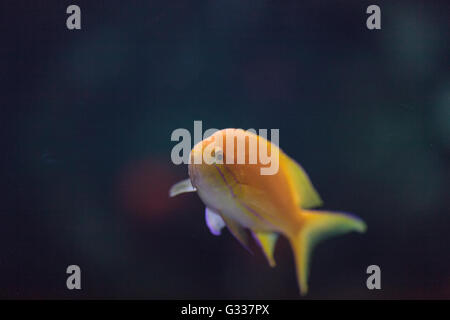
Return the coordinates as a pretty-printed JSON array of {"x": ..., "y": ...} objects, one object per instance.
[{"x": 239, "y": 196}]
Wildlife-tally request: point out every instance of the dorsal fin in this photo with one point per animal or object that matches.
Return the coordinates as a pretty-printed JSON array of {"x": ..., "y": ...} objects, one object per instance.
[{"x": 305, "y": 195}]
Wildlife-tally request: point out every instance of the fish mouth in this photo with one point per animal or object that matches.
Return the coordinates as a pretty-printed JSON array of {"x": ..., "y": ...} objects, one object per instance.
[
  {"x": 194, "y": 168},
  {"x": 192, "y": 174},
  {"x": 195, "y": 174}
]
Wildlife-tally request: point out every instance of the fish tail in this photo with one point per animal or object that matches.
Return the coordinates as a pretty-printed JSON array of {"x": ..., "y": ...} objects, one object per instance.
[{"x": 314, "y": 226}]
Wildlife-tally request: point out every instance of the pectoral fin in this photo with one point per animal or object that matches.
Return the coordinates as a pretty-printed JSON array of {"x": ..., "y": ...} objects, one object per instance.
[
  {"x": 181, "y": 187},
  {"x": 267, "y": 241},
  {"x": 237, "y": 231},
  {"x": 214, "y": 222}
]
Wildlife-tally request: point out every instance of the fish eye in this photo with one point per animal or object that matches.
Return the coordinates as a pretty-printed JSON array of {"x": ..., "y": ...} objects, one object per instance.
[{"x": 218, "y": 154}]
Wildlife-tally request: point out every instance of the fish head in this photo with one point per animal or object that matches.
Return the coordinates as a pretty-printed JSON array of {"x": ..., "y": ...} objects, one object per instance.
[
  {"x": 208, "y": 170},
  {"x": 204, "y": 161}
]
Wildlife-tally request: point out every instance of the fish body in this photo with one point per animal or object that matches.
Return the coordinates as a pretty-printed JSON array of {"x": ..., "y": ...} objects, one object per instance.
[{"x": 239, "y": 196}]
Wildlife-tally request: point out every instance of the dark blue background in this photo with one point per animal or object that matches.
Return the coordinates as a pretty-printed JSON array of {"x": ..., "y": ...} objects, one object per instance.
[{"x": 85, "y": 125}]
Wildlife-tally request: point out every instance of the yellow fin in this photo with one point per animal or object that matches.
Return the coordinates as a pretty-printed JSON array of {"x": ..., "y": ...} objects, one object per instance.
[
  {"x": 306, "y": 195},
  {"x": 267, "y": 241},
  {"x": 318, "y": 225},
  {"x": 237, "y": 231}
]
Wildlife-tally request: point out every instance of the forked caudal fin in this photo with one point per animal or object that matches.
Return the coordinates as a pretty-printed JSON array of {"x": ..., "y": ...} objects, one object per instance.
[{"x": 316, "y": 226}]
